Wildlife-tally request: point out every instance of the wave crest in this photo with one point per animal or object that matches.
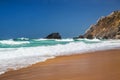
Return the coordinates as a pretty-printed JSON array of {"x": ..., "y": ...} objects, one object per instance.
[{"x": 12, "y": 42}]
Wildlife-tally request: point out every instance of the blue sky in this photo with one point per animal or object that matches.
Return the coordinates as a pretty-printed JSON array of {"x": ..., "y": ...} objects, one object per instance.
[{"x": 38, "y": 18}]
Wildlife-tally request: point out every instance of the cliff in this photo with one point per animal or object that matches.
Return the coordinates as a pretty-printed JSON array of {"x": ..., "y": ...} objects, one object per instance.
[{"x": 106, "y": 27}]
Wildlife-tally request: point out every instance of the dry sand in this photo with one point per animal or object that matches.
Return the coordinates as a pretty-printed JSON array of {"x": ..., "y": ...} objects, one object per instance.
[{"x": 102, "y": 65}]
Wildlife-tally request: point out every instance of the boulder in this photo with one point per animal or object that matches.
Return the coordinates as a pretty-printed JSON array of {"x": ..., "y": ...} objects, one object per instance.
[
  {"x": 81, "y": 36},
  {"x": 105, "y": 37},
  {"x": 54, "y": 36},
  {"x": 90, "y": 36}
]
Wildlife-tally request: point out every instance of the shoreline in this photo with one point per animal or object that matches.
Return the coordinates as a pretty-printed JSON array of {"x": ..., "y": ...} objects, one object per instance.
[{"x": 99, "y": 65}]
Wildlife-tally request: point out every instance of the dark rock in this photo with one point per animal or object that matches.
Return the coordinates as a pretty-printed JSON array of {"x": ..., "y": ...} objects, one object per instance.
[
  {"x": 105, "y": 37},
  {"x": 54, "y": 36},
  {"x": 90, "y": 36},
  {"x": 81, "y": 36},
  {"x": 119, "y": 29}
]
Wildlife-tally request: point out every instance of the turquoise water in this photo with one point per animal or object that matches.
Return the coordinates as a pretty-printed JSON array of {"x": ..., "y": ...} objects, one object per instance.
[
  {"x": 23, "y": 52},
  {"x": 21, "y": 42}
]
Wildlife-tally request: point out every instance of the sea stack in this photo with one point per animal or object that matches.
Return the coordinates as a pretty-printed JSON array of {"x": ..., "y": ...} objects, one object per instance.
[
  {"x": 54, "y": 36},
  {"x": 106, "y": 27}
]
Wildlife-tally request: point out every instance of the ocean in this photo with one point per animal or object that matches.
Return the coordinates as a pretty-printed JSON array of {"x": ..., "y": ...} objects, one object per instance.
[{"x": 23, "y": 52}]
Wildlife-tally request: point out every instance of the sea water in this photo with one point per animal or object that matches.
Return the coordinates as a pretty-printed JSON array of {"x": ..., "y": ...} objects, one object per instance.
[{"x": 23, "y": 52}]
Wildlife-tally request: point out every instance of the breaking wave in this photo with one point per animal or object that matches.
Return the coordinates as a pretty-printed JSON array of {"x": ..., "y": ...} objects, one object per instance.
[{"x": 16, "y": 58}]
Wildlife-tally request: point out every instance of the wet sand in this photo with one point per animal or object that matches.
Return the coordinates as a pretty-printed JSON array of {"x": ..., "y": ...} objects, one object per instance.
[{"x": 101, "y": 65}]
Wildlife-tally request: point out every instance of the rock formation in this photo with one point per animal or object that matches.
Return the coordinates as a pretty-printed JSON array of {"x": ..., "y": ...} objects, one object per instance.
[
  {"x": 79, "y": 37},
  {"x": 54, "y": 36},
  {"x": 106, "y": 28}
]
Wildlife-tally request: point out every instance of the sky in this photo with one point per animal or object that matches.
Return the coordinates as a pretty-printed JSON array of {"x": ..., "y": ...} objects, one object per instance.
[{"x": 38, "y": 18}]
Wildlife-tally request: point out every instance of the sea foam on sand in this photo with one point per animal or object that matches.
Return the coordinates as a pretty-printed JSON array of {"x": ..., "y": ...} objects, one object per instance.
[{"x": 16, "y": 58}]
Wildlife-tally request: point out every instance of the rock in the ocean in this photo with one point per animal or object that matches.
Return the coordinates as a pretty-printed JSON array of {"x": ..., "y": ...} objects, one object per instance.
[
  {"x": 104, "y": 37},
  {"x": 90, "y": 36},
  {"x": 106, "y": 28},
  {"x": 54, "y": 36},
  {"x": 79, "y": 37}
]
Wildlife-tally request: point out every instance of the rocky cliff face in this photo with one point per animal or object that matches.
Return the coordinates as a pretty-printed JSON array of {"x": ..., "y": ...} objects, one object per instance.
[{"x": 106, "y": 28}]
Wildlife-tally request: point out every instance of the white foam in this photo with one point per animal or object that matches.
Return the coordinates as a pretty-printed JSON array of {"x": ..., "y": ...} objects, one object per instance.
[
  {"x": 96, "y": 40},
  {"x": 41, "y": 39},
  {"x": 23, "y": 38},
  {"x": 64, "y": 40},
  {"x": 11, "y": 42},
  {"x": 15, "y": 58}
]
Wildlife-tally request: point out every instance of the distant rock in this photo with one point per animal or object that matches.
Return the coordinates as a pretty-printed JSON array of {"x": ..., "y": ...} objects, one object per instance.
[
  {"x": 79, "y": 37},
  {"x": 106, "y": 27},
  {"x": 105, "y": 37},
  {"x": 54, "y": 36},
  {"x": 90, "y": 36}
]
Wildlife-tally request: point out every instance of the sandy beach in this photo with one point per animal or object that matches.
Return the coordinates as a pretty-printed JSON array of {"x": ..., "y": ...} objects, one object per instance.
[{"x": 100, "y": 65}]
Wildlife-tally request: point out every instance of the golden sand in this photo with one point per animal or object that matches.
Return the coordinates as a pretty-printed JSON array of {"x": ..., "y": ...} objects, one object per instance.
[{"x": 102, "y": 65}]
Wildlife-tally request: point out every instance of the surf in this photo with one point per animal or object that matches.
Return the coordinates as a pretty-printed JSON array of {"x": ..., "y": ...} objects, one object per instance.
[{"x": 33, "y": 51}]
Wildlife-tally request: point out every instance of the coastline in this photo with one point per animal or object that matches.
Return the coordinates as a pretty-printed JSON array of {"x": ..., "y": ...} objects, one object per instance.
[{"x": 99, "y": 65}]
